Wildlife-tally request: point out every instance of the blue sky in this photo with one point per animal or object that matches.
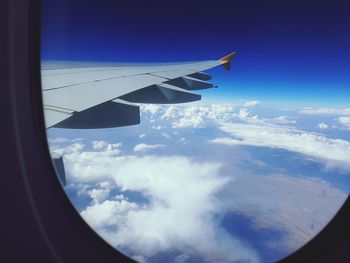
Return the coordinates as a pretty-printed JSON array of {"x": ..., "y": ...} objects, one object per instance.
[{"x": 293, "y": 52}]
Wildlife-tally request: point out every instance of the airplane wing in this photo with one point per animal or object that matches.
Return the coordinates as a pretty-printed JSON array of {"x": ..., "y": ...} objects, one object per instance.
[{"x": 102, "y": 97}]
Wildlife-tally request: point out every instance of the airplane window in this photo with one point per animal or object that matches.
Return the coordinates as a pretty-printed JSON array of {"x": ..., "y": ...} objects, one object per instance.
[{"x": 187, "y": 131}]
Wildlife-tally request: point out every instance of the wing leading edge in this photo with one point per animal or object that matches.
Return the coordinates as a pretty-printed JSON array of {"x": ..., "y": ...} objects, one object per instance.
[{"x": 103, "y": 97}]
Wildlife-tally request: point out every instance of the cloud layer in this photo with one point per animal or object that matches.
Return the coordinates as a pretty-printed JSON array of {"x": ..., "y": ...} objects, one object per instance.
[
  {"x": 335, "y": 152},
  {"x": 145, "y": 197},
  {"x": 180, "y": 214},
  {"x": 325, "y": 111}
]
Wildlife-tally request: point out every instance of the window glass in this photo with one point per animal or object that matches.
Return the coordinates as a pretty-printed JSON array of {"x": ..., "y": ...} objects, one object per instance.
[{"x": 249, "y": 172}]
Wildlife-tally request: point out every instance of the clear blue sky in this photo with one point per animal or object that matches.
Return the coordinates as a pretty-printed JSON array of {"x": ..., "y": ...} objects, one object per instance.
[{"x": 289, "y": 51}]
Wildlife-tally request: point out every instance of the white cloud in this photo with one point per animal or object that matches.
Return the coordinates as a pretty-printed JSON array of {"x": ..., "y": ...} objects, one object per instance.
[
  {"x": 325, "y": 111},
  {"x": 345, "y": 121},
  {"x": 251, "y": 103},
  {"x": 143, "y": 135},
  {"x": 322, "y": 126},
  {"x": 82, "y": 168},
  {"x": 105, "y": 214},
  {"x": 64, "y": 140},
  {"x": 194, "y": 116},
  {"x": 113, "y": 147},
  {"x": 182, "y": 205},
  {"x": 245, "y": 114},
  {"x": 335, "y": 152},
  {"x": 194, "y": 121},
  {"x": 180, "y": 213},
  {"x": 165, "y": 135},
  {"x": 142, "y": 147},
  {"x": 103, "y": 145},
  {"x": 184, "y": 197},
  {"x": 283, "y": 120},
  {"x": 99, "y": 145},
  {"x": 183, "y": 140},
  {"x": 99, "y": 195},
  {"x": 150, "y": 108},
  {"x": 72, "y": 148}
]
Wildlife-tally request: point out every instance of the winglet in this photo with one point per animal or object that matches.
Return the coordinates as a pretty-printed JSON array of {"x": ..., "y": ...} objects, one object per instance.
[{"x": 226, "y": 60}]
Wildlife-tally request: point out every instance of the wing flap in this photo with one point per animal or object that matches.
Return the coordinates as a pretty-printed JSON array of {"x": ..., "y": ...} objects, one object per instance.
[
  {"x": 161, "y": 94},
  {"x": 200, "y": 76},
  {"x": 116, "y": 113},
  {"x": 190, "y": 83}
]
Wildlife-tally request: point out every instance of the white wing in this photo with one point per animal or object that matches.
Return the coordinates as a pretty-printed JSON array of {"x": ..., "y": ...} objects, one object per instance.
[{"x": 101, "y": 97}]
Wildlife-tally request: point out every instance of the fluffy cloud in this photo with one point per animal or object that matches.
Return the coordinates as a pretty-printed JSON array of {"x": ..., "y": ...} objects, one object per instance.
[
  {"x": 72, "y": 148},
  {"x": 142, "y": 147},
  {"x": 144, "y": 205},
  {"x": 180, "y": 214},
  {"x": 99, "y": 195},
  {"x": 251, "y": 103},
  {"x": 103, "y": 145},
  {"x": 335, "y": 152},
  {"x": 99, "y": 145},
  {"x": 150, "y": 108},
  {"x": 322, "y": 126},
  {"x": 244, "y": 114},
  {"x": 189, "y": 116},
  {"x": 182, "y": 206}
]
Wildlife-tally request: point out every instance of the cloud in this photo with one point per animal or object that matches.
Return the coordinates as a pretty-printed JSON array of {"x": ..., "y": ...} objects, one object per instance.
[
  {"x": 81, "y": 166},
  {"x": 165, "y": 135},
  {"x": 99, "y": 195},
  {"x": 283, "y": 120},
  {"x": 72, "y": 148},
  {"x": 113, "y": 147},
  {"x": 180, "y": 214},
  {"x": 245, "y": 114},
  {"x": 150, "y": 108},
  {"x": 99, "y": 145},
  {"x": 103, "y": 145},
  {"x": 345, "y": 121},
  {"x": 143, "y": 135},
  {"x": 198, "y": 116},
  {"x": 322, "y": 126},
  {"x": 183, "y": 140},
  {"x": 335, "y": 152},
  {"x": 64, "y": 140},
  {"x": 183, "y": 205},
  {"x": 325, "y": 111},
  {"x": 185, "y": 200},
  {"x": 142, "y": 147},
  {"x": 251, "y": 103},
  {"x": 189, "y": 117},
  {"x": 194, "y": 121}
]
